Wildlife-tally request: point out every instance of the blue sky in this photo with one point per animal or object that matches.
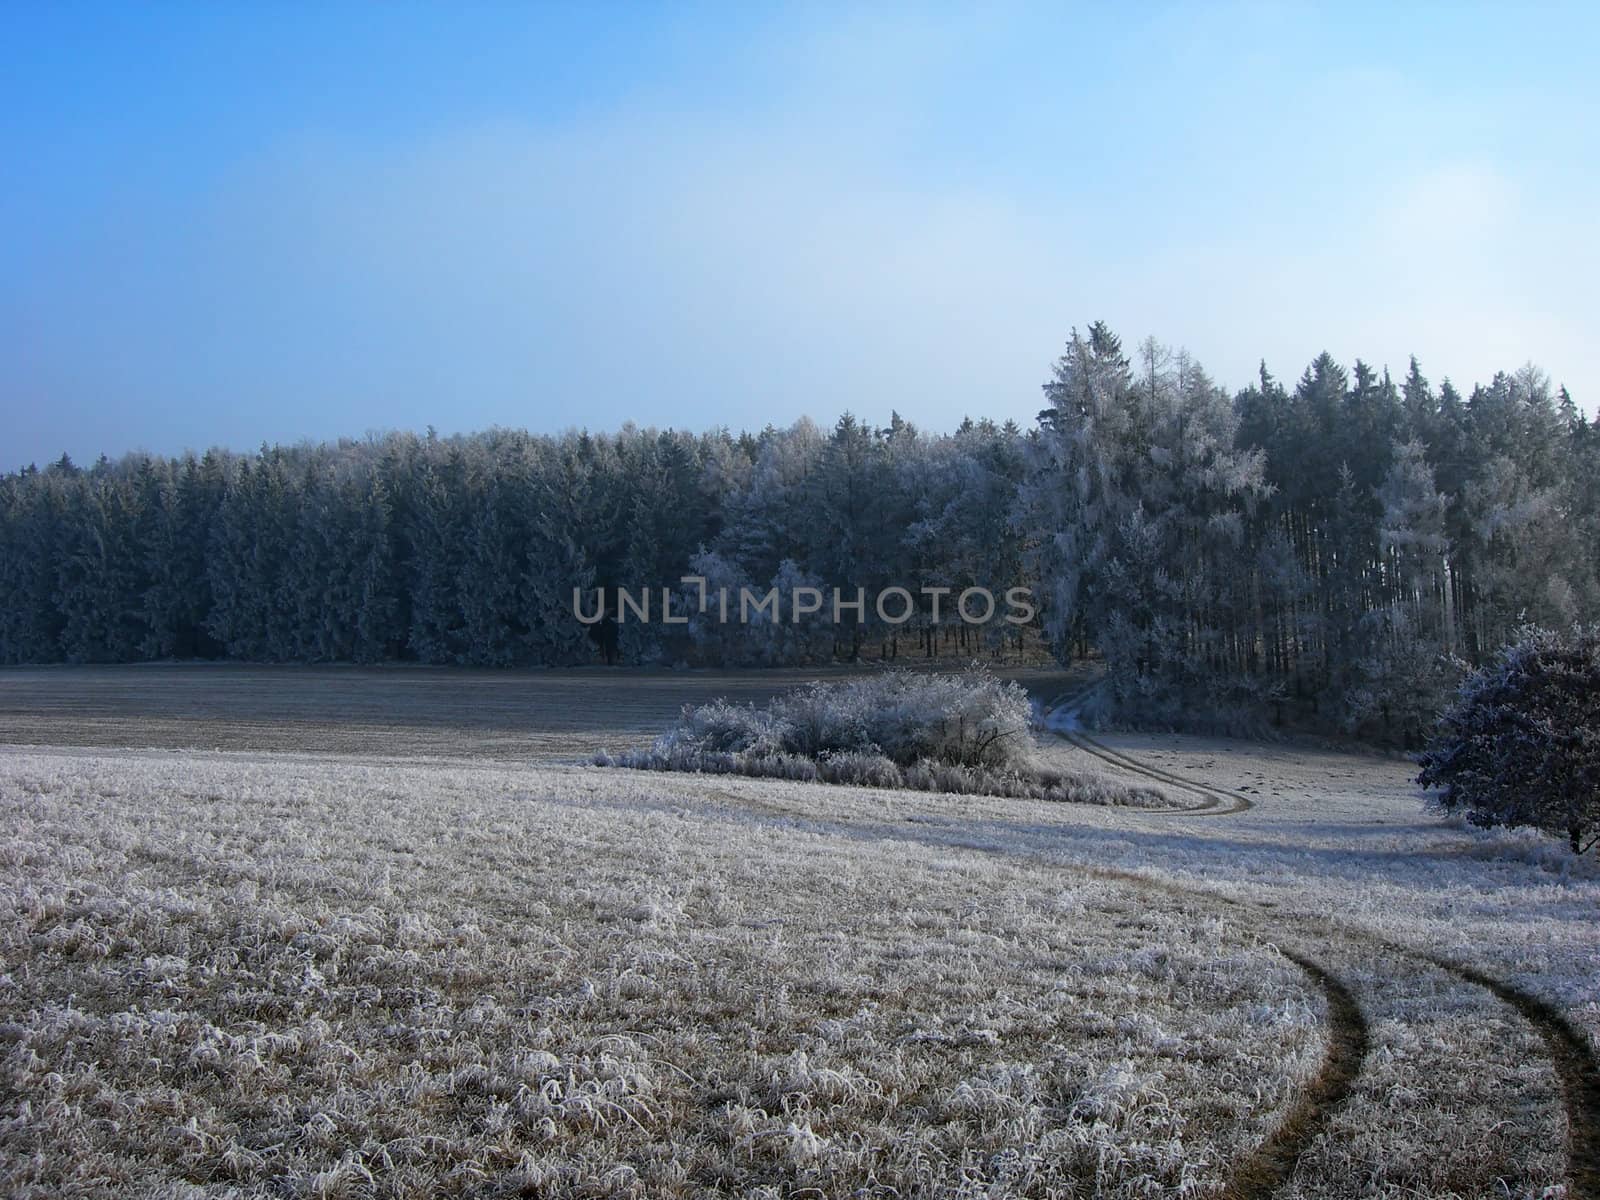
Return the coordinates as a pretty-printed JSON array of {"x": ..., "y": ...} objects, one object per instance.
[{"x": 228, "y": 224}]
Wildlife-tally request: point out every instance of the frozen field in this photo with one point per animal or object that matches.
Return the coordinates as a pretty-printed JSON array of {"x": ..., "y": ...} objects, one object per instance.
[
  {"x": 335, "y": 959},
  {"x": 389, "y": 712}
]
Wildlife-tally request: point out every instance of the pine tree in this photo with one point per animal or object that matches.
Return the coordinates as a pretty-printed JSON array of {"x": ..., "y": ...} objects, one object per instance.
[
  {"x": 437, "y": 537},
  {"x": 1141, "y": 500},
  {"x": 99, "y": 577}
]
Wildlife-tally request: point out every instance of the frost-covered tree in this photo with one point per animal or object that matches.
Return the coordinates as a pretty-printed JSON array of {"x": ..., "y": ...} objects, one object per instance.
[
  {"x": 712, "y": 609},
  {"x": 770, "y": 519},
  {"x": 1520, "y": 745},
  {"x": 518, "y": 567},
  {"x": 178, "y": 598},
  {"x": 1074, "y": 501},
  {"x": 1139, "y": 501},
  {"x": 100, "y": 574},
  {"x": 796, "y": 636},
  {"x": 248, "y": 565},
  {"x": 1406, "y": 666},
  {"x": 437, "y": 534}
]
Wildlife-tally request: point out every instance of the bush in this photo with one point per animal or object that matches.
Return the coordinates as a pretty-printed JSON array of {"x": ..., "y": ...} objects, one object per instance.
[
  {"x": 971, "y": 719},
  {"x": 965, "y": 733},
  {"x": 1520, "y": 744}
]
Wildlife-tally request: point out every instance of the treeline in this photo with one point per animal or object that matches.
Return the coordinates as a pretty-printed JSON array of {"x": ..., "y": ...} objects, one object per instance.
[
  {"x": 1345, "y": 542},
  {"x": 1348, "y": 543},
  {"x": 467, "y": 550}
]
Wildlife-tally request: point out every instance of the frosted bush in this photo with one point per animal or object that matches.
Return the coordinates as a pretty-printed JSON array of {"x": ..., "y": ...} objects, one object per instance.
[
  {"x": 971, "y": 719},
  {"x": 1520, "y": 746},
  {"x": 720, "y": 726},
  {"x": 966, "y": 733},
  {"x": 859, "y": 767}
]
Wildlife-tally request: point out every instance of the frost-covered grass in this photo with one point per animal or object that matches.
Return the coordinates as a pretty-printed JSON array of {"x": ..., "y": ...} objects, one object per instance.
[
  {"x": 341, "y": 978},
  {"x": 967, "y": 733}
]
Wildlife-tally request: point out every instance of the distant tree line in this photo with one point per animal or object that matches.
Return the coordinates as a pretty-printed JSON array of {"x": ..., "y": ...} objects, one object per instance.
[
  {"x": 1347, "y": 542},
  {"x": 467, "y": 549}
]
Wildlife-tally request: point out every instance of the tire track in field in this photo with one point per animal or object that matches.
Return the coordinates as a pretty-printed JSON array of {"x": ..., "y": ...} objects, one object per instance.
[
  {"x": 1268, "y": 1167},
  {"x": 1270, "y": 1164},
  {"x": 1261, "y": 1172},
  {"x": 1570, "y": 1051},
  {"x": 1576, "y": 1066},
  {"x": 1218, "y": 802}
]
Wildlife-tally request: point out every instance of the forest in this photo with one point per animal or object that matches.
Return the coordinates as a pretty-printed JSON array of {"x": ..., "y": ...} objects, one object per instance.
[{"x": 1345, "y": 546}]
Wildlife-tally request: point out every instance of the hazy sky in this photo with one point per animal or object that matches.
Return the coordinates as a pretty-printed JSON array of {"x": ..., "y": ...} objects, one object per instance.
[{"x": 230, "y": 223}]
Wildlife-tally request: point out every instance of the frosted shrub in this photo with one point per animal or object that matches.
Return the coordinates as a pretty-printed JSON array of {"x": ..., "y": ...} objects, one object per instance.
[
  {"x": 965, "y": 733},
  {"x": 720, "y": 726},
  {"x": 824, "y": 718},
  {"x": 971, "y": 719},
  {"x": 859, "y": 767},
  {"x": 782, "y": 766}
]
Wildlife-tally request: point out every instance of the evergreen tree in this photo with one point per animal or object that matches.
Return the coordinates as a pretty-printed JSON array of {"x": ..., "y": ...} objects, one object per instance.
[{"x": 437, "y": 537}]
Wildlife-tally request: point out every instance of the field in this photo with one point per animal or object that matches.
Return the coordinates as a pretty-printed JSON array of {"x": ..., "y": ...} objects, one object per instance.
[
  {"x": 378, "y": 933},
  {"x": 383, "y": 712}
]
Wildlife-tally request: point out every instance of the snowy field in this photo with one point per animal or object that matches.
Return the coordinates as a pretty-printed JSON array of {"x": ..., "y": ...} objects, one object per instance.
[{"x": 357, "y": 965}]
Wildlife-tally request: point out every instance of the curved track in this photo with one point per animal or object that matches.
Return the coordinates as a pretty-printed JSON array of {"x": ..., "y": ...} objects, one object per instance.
[
  {"x": 1575, "y": 1062},
  {"x": 1570, "y": 1051},
  {"x": 1215, "y": 802},
  {"x": 1269, "y": 1166}
]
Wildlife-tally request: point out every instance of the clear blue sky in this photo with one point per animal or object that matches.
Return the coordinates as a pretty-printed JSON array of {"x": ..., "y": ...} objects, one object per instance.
[{"x": 229, "y": 223}]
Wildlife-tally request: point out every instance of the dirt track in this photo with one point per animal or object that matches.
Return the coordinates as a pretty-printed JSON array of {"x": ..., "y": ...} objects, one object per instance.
[
  {"x": 1214, "y": 802},
  {"x": 1274, "y": 1163}
]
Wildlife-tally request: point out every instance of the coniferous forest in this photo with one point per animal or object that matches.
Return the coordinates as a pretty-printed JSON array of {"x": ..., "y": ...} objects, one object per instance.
[{"x": 1345, "y": 544}]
